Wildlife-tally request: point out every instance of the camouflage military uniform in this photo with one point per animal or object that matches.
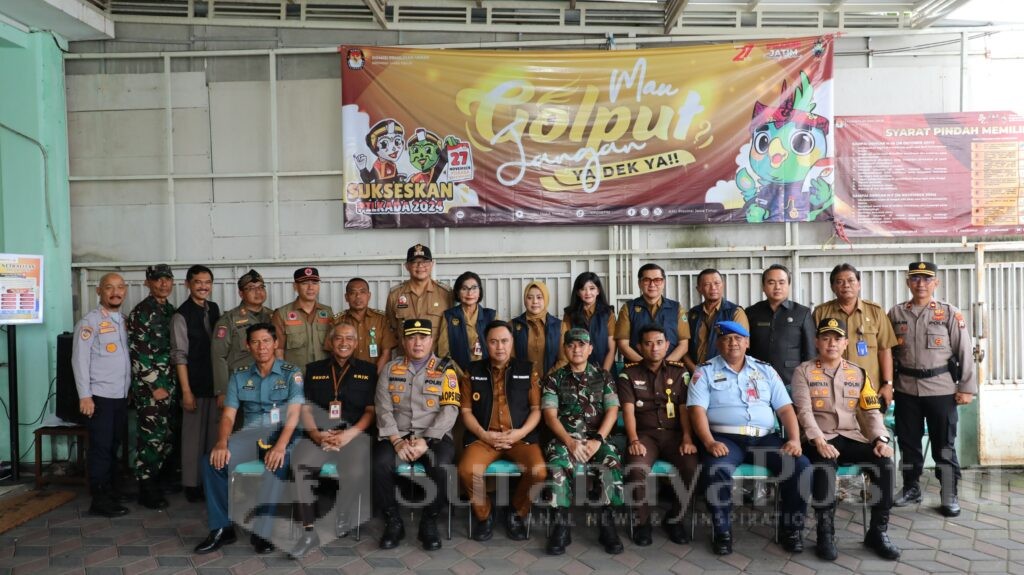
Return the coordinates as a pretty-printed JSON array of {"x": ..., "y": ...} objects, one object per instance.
[
  {"x": 581, "y": 401},
  {"x": 149, "y": 344}
]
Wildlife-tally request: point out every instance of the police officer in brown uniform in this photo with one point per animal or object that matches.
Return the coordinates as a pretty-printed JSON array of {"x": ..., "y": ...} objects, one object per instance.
[
  {"x": 419, "y": 297},
  {"x": 417, "y": 402},
  {"x": 375, "y": 336},
  {"x": 304, "y": 324},
  {"x": 653, "y": 397},
  {"x": 501, "y": 410},
  {"x": 936, "y": 374},
  {"x": 841, "y": 424}
]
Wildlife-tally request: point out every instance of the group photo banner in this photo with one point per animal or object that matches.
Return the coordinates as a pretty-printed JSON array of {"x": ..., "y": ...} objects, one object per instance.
[
  {"x": 729, "y": 133},
  {"x": 931, "y": 174}
]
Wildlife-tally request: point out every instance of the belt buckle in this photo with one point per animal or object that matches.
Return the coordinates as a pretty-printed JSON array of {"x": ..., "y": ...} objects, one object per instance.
[{"x": 749, "y": 431}]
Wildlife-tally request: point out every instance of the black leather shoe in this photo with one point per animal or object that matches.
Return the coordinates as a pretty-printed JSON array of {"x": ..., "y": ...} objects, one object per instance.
[
  {"x": 608, "y": 534},
  {"x": 394, "y": 530},
  {"x": 261, "y": 545},
  {"x": 308, "y": 542},
  {"x": 677, "y": 532},
  {"x": 950, "y": 506},
  {"x": 792, "y": 540},
  {"x": 642, "y": 534},
  {"x": 515, "y": 527},
  {"x": 908, "y": 495},
  {"x": 721, "y": 543},
  {"x": 105, "y": 506},
  {"x": 483, "y": 530},
  {"x": 428, "y": 534},
  {"x": 560, "y": 538},
  {"x": 215, "y": 540},
  {"x": 194, "y": 494},
  {"x": 151, "y": 496}
]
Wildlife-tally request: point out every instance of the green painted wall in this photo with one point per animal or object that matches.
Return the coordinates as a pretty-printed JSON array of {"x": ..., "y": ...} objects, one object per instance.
[{"x": 34, "y": 220}]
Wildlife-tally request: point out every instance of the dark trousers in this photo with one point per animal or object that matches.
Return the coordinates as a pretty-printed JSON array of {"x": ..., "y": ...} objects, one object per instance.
[
  {"x": 940, "y": 412},
  {"x": 436, "y": 462},
  {"x": 717, "y": 475},
  {"x": 106, "y": 432},
  {"x": 823, "y": 483},
  {"x": 353, "y": 476},
  {"x": 660, "y": 444}
]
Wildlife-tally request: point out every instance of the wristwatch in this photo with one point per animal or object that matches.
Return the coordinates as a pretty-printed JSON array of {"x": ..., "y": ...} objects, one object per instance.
[
  {"x": 883, "y": 439},
  {"x": 886, "y": 382}
]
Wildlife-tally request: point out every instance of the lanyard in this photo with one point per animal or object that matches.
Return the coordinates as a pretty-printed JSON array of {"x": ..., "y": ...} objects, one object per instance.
[{"x": 337, "y": 378}]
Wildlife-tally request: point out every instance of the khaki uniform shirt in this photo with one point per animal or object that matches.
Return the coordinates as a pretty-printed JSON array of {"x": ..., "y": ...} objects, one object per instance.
[
  {"x": 927, "y": 336},
  {"x": 373, "y": 330},
  {"x": 650, "y": 393},
  {"x": 425, "y": 403},
  {"x": 302, "y": 336},
  {"x": 867, "y": 323},
  {"x": 404, "y": 304},
  {"x": 840, "y": 401},
  {"x": 228, "y": 349}
]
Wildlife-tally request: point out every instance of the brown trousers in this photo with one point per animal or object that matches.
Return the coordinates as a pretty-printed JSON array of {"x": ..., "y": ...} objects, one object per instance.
[
  {"x": 478, "y": 455},
  {"x": 660, "y": 444}
]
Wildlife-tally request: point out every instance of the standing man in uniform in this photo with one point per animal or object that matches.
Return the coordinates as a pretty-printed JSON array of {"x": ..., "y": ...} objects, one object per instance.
[
  {"x": 733, "y": 401},
  {"x": 269, "y": 391},
  {"x": 303, "y": 325},
  {"x": 419, "y": 297},
  {"x": 653, "y": 397},
  {"x": 501, "y": 410},
  {"x": 704, "y": 316},
  {"x": 417, "y": 402},
  {"x": 375, "y": 336},
  {"x": 99, "y": 360},
  {"x": 155, "y": 385},
  {"x": 229, "y": 348},
  {"x": 339, "y": 425},
  {"x": 651, "y": 308},
  {"x": 869, "y": 329},
  {"x": 781, "y": 330},
  {"x": 580, "y": 408},
  {"x": 936, "y": 374},
  {"x": 191, "y": 328},
  {"x": 842, "y": 424}
]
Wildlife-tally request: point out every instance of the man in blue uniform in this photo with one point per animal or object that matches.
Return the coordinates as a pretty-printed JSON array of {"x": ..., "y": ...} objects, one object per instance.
[
  {"x": 99, "y": 360},
  {"x": 269, "y": 392},
  {"x": 733, "y": 400}
]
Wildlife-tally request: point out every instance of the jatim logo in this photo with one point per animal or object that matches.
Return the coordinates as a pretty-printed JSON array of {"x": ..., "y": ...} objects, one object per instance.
[{"x": 517, "y": 113}]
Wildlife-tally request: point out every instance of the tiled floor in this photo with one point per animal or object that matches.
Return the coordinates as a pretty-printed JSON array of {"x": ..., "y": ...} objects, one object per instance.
[{"x": 988, "y": 536}]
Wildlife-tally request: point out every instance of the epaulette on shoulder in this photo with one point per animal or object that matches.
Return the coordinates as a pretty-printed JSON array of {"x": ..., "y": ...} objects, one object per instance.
[
  {"x": 288, "y": 366},
  {"x": 375, "y": 310},
  {"x": 676, "y": 363},
  {"x": 243, "y": 368},
  {"x": 444, "y": 286},
  {"x": 871, "y": 303},
  {"x": 705, "y": 364},
  {"x": 631, "y": 364},
  {"x": 761, "y": 361}
]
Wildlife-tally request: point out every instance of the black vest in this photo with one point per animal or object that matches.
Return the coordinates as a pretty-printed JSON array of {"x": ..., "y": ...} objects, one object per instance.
[
  {"x": 517, "y": 393},
  {"x": 200, "y": 365},
  {"x": 552, "y": 337}
]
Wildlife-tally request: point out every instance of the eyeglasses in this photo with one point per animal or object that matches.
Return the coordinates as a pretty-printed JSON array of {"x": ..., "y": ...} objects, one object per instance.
[
  {"x": 918, "y": 279},
  {"x": 846, "y": 282},
  {"x": 469, "y": 288},
  {"x": 652, "y": 281},
  {"x": 250, "y": 289}
]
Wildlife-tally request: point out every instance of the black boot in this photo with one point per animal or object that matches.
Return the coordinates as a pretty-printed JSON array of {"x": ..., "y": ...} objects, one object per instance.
[
  {"x": 394, "y": 529},
  {"x": 642, "y": 534},
  {"x": 609, "y": 536},
  {"x": 950, "y": 502},
  {"x": 104, "y": 505},
  {"x": 515, "y": 526},
  {"x": 675, "y": 527},
  {"x": 877, "y": 537},
  {"x": 826, "y": 546},
  {"x": 428, "y": 534},
  {"x": 561, "y": 534},
  {"x": 194, "y": 494},
  {"x": 483, "y": 529},
  {"x": 151, "y": 495},
  {"x": 911, "y": 493}
]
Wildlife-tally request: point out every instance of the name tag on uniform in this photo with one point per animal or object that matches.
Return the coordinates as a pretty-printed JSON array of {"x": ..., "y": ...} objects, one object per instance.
[
  {"x": 275, "y": 415},
  {"x": 862, "y": 348},
  {"x": 719, "y": 377},
  {"x": 335, "y": 410}
]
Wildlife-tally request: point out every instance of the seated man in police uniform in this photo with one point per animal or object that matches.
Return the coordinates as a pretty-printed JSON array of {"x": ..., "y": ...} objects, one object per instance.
[
  {"x": 417, "y": 403},
  {"x": 269, "y": 392},
  {"x": 838, "y": 411},
  {"x": 338, "y": 420},
  {"x": 733, "y": 400}
]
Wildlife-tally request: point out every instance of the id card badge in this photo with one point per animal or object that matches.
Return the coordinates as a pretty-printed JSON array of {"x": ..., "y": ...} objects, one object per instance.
[
  {"x": 373, "y": 342},
  {"x": 335, "y": 410},
  {"x": 373, "y": 350},
  {"x": 670, "y": 408},
  {"x": 275, "y": 415},
  {"x": 862, "y": 348}
]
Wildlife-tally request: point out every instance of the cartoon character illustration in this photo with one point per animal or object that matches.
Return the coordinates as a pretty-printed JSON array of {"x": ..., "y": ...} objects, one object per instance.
[
  {"x": 387, "y": 140},
  {"x": 355, "y": 59},
  {"x": 786, "y": 143},
  {"x": 428, "y": 156}
]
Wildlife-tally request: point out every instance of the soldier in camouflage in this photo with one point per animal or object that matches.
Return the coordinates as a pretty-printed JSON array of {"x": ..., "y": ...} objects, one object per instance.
[
  {"x": 580, "y": 407},
  {"x": 154, "y": 385}
]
